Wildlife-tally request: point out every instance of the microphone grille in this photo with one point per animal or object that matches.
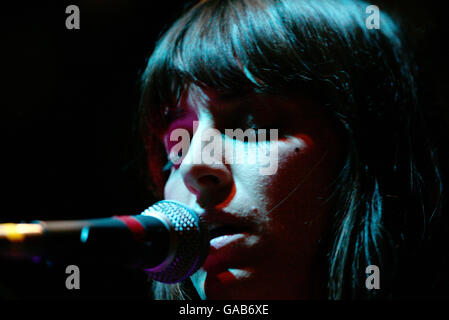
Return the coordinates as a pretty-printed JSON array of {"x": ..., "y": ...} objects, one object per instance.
[{"x": 189, "y": 241}]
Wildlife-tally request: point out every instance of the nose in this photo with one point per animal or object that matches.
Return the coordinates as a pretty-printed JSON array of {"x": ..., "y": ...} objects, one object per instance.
[{"x": 204, "y": 170}]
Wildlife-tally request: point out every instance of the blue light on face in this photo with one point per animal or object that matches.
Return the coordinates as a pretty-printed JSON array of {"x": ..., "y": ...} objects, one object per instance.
[{"x": 84, "y": 234}]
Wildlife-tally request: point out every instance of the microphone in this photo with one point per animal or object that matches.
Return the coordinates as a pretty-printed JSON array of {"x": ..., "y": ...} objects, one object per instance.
[{"x": 168, "y": 240}]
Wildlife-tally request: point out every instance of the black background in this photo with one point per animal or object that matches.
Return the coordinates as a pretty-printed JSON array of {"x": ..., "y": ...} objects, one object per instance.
[{"x": 69, "y": 97}]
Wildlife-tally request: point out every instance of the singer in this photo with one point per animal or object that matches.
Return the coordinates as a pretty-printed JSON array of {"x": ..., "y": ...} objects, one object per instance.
[{"x": 358, "y": 181}]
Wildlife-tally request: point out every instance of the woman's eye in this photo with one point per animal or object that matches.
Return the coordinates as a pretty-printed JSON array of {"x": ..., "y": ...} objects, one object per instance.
[
  {"x": 256, "y": 124},
  {"x": 251, "y": 122},
  {"x": 174, "y": 160},
  {"x": 180, "y": 131},
  {"x": 260, "y": 124},
  {"x": 168, "y": 166}
]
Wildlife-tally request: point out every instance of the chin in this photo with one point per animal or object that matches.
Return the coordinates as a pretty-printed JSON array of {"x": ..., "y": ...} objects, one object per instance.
[{"x": 243, "y": 284}]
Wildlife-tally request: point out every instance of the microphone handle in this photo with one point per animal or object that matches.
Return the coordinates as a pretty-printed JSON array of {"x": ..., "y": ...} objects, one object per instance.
[{"x": 136, "y": 241}]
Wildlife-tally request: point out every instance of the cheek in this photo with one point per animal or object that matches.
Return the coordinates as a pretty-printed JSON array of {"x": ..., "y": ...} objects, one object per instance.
[
  {"x": 174, "y": 188},
  {"x": 296, "y": 158},
  {"x": 300, "y": 188},
  {"x": 168, "y": 188},
  {"x": 307, "y": 167},
  {"x": 295, "y": 161}
]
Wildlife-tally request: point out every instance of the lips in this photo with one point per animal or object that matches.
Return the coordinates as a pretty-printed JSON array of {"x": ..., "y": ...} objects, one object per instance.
[
  {"x": 219, "y": 231},
  {"x": 227, "y": 251},
  {"x": 229, "y": 241}
]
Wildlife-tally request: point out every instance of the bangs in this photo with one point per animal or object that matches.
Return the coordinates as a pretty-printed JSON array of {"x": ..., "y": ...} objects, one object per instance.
[{"x": 238, "y": 46}]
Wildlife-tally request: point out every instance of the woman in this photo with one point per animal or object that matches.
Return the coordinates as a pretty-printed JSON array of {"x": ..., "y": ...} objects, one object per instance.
[{"x": 356, "y": 180}]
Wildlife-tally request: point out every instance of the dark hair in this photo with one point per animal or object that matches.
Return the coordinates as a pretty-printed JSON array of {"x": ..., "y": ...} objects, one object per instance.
[{"x": 389, "y": 195}]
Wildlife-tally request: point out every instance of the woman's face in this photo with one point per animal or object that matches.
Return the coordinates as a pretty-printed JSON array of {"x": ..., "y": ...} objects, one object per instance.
[{"x": 266, "y": 213}]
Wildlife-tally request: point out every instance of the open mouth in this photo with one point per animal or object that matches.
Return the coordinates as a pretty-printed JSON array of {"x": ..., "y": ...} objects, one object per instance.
[
  {"x": 225, "y": 230},
  {"x": 228, "y": 248}
]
